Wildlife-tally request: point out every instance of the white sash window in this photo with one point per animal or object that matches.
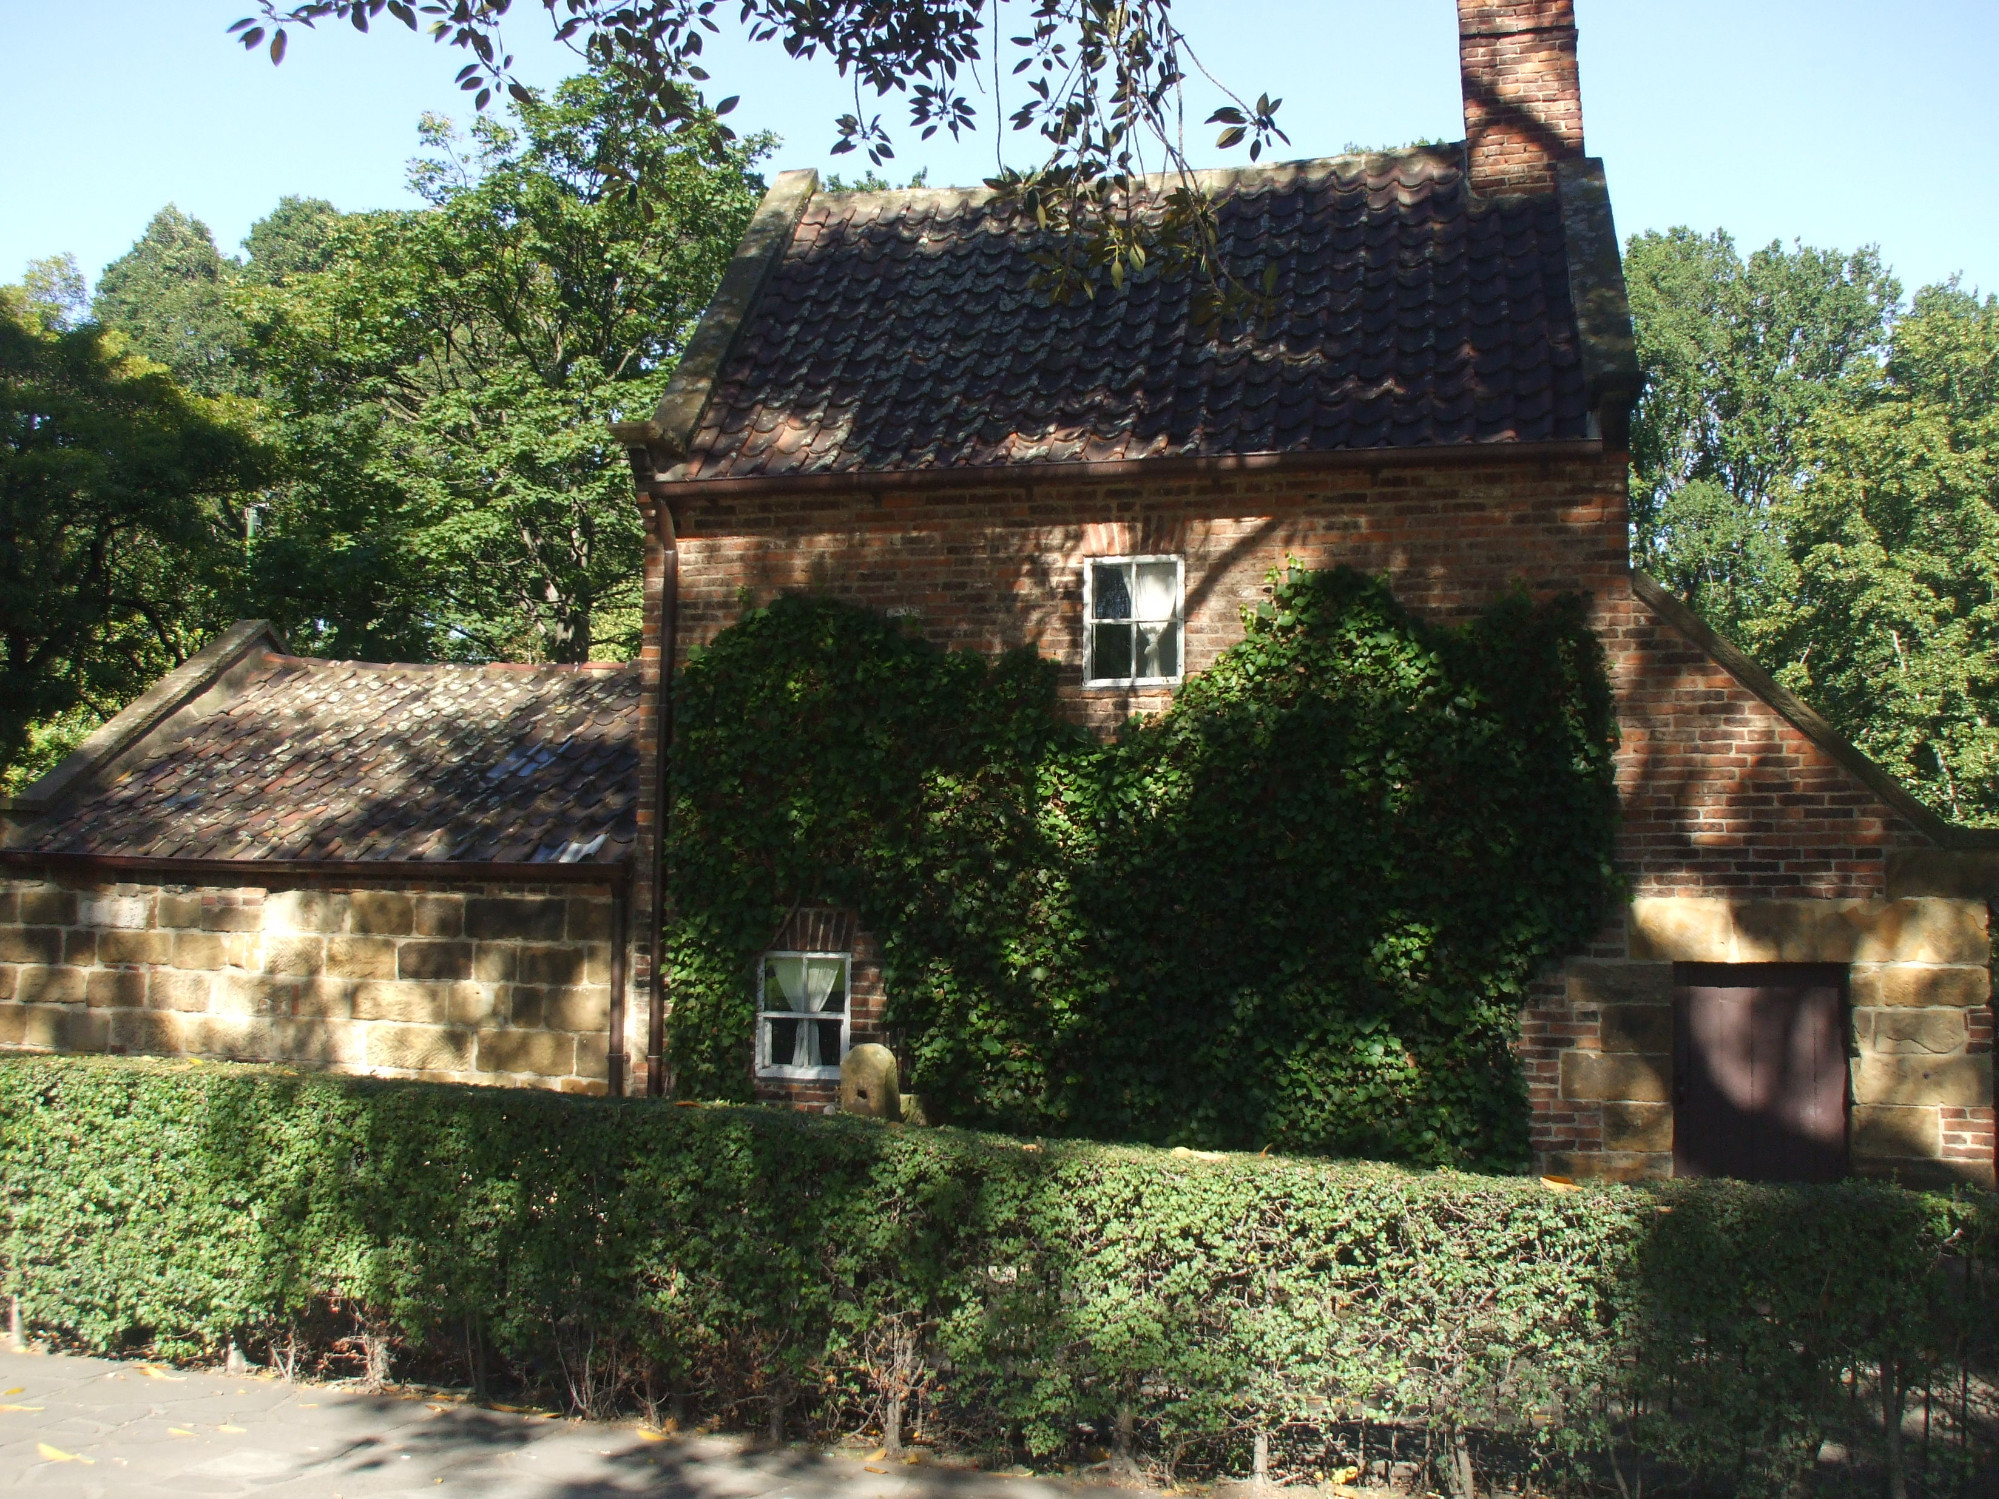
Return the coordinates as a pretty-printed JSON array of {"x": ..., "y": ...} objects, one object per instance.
[
  {"x": 1132, "y": 621},
  {"x": 802, "y": 1014}
]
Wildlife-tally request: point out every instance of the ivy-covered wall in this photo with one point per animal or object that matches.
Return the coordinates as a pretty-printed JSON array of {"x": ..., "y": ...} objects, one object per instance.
[{"x": 1298, "y": 909}]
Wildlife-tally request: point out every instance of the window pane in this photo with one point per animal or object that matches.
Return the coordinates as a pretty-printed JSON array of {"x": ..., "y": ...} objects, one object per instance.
[
  {"x": 1110, "y": 590},
  {"x": 784, "y": 984},
  {"x": 1110, "y": 651},
  {"x": 825, "y": 985},
  {"x": 829, "y": 1041},
  {"x": 783, "y": 1041},
  {"x": 1159, "y": 651},
  {"x": 1157, "y": 593}
]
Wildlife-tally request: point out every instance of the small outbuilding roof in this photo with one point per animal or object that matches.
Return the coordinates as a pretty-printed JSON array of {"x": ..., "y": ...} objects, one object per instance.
[
  {"x": 248, "y": 753},
  {"x": 879, "y": 332}
]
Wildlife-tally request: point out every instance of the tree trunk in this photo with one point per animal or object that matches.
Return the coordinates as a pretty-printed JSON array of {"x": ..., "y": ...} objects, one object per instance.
[
  {"x": 1892, "y": 1455},
  {"x": 1457, "y": 1465}
]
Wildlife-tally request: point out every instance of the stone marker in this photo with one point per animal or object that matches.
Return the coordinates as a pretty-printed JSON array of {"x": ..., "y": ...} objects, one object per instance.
[{"x": 868, "y": 1082}]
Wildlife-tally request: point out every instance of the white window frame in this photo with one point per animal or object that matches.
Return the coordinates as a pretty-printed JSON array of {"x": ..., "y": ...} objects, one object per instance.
[
  {"x": 822, "y": 1073},
  {"x": 1179, "y": 620}
]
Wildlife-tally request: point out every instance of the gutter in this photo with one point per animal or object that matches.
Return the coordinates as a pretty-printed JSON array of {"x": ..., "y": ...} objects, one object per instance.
[
  {"x": 669, "y": 633},
  {"x": 664, "y": 485}
]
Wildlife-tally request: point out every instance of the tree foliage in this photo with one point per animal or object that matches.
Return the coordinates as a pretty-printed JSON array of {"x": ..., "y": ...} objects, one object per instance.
[
  {"x": 1885, "y": 609},
  {"x": 1739, "y": 356},
  {"x": 169, "y": 296},
  {"x": 1099, "y": 84},
  {"x": 115, "y": 539},
  {"x": 1300, "y": 907},
  {"x": 1814, "y": 470},
  {"x": 456, "y": 368}
]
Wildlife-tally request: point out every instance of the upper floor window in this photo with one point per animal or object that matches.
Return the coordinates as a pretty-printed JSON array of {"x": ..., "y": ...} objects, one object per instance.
[
  {"x": 802, "y": 1014},
  {"x": 1132, "y": 608}
]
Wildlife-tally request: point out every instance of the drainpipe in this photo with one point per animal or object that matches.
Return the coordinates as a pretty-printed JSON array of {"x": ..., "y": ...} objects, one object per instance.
[
  {"x": 621, "y": 895},
  {"x": 669, "y": 616}
]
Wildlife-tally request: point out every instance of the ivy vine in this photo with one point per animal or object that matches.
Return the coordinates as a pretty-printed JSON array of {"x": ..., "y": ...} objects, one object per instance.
[{"x": 1300, "y": 908}]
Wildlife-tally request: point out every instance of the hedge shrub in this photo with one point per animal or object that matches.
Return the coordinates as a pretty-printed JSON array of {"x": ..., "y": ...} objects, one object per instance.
[
  {"x": 749, "y": 1264},
  {"x": 1299, "y": 908}
]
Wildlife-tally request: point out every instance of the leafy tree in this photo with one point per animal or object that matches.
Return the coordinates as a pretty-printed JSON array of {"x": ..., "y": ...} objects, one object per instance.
[
  {"x": 293, "y": 239},
  {"x": 113, "y": 565},
  {"x": 1885, "y": 610},
  {"x": 444, "y": 382},
  {"x": 169, "y": 295},
  {"x": 1101, "y": 88},
  {"x": 54, "y": 293},
  {"x": 1739, "y": 356}
]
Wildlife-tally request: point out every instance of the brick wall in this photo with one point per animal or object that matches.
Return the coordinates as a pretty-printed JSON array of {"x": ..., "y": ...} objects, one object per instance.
[
  {"x": 1723, "y": 797},
  {"x": 483, "y": 984},
  {"x": 1720, "y": 791},
  {"x": 1522, "y": 95}
]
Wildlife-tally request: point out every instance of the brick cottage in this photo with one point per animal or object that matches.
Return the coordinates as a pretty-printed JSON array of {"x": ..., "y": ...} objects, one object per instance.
[{"x": 878, "y": 406}]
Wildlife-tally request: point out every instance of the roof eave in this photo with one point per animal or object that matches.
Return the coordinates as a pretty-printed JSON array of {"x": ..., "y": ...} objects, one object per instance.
[
  {"x": 654, "y": 444},
  {"x": 1611, "y": 372},
  {"x": 217, "y": 665},
  {"x": 1124, "y": 470}
]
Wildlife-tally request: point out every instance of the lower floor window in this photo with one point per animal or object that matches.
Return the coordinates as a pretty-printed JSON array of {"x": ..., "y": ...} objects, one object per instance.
[{"x": 802, "y": 1014}]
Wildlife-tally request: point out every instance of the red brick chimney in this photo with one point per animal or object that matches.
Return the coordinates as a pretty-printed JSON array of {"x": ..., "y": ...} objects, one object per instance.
[{"x": 1523, "y": 103}]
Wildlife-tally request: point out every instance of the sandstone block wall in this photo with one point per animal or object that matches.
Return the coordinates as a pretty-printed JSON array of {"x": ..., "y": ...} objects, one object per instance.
[
  {"x": 1597, "y": 1042},
  {"x": 485, "y": 984}
]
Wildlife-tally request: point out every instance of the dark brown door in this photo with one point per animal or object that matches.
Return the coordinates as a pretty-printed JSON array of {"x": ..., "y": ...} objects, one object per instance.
[{"x": 1759, "y": 1071}]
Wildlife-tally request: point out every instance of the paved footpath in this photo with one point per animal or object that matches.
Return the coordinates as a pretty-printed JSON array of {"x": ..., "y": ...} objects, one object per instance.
[{"x": 88, "y": 1427}]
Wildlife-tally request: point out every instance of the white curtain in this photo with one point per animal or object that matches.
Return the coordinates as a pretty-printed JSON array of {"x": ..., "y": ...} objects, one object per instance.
[
  {"x": 821, "y": 974},
  {"x": 1153, "y": 598}
]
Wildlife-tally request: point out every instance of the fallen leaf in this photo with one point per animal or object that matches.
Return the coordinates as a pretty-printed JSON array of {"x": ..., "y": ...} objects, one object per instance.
[
  {"x": 19, "y": 1389},
  {"x": 308, "y": 1405},
  {"x": 21, "y": 1407},
  {"x": 912, "y": 1458},
  {"x": 1558, "y": 1184},
  {"x": 876, "y": 1456},
  {"x": 873, "y": 1469},
  {"x": 151, "y": 1373},
  {"x": 651, "y": 1436},
  {"x": 1344, "y": 1475},
  {"x": 175, "y": 1431},
  {"x": 233, "y": 1430},
  {"x": 57, "y": 1455}
]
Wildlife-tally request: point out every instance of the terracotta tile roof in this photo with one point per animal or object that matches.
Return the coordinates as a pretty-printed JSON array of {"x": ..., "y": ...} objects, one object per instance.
[
  {"x": 898, "y": 330},
  {"x": 345, "y": 760}
]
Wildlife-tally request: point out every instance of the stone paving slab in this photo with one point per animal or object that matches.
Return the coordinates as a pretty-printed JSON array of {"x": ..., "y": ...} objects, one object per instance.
[{"x": 86, "y": 1428}]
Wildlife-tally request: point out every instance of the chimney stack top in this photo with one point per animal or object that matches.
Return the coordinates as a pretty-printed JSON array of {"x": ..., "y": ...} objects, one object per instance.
[{"x": 1523, "y": 98}]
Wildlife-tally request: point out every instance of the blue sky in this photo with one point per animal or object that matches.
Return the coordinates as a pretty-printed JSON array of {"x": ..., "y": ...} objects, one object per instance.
[{"x": 1834, "y": 121}]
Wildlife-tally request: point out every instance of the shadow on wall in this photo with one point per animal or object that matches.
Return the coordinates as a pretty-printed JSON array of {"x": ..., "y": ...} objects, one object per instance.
[{"x": 804, "y": 1276}]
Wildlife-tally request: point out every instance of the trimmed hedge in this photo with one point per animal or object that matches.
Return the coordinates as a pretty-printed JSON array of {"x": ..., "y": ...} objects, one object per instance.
[{"x": 752, "y": 1265}]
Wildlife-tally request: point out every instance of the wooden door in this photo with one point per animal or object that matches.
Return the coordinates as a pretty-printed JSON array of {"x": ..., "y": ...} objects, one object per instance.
[{"x": 1759, "y": 1071}]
